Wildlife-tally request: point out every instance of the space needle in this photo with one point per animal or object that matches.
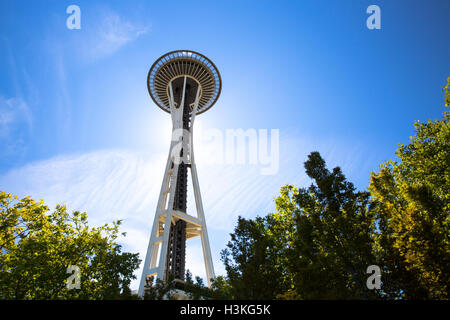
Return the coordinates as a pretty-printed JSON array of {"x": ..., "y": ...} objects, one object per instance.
[{"x": 183, "y": 83}]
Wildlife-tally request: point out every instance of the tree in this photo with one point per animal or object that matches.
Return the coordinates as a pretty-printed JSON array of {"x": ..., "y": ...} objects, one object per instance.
[
  {"x": 251, "y": 262},
  {"x": 196, "y": 290},
  {"x": 159, "y": 289},
  {"x": 316, "y": 245},
  {"x": 221, "y": 289},
  {"x": 320, "y": 240},
  {"x": 38, "y": 246},
  {"x": 334, "y": 226},
  {"x": 413, "y": 197}
]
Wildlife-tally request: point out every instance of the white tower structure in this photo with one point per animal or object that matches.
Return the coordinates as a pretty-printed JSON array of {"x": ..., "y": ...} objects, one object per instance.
[{"x": 183, "y": 83}]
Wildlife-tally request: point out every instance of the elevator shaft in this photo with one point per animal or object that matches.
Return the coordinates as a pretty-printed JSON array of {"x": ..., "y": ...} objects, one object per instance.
[{"x": 176, "y": 250}]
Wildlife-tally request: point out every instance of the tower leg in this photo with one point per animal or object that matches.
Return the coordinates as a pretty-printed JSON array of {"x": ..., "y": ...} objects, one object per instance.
[
  {"x": 150, "y": 265},
  {"x": 204, "y": 233}
]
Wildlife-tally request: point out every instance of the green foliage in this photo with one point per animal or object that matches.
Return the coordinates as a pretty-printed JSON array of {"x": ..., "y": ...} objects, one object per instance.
[
  {"x": 159, "y": 289},
  {"x": 446, "y": 89},
  {"x": 413, "y": 197},
  {"x": 252, "y": 261},
  {"x": 221, "y": 289},
  {"x": 320, "y": 240},
  {"x": 37, "y": 247},
  {"x": 316, "y": 245},
  {"x": 196, "y": 290},
  {"x": 333, "y": 239}
]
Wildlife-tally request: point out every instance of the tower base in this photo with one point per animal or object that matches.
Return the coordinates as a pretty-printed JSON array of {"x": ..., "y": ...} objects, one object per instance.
[{"x": 178, "y": 294}]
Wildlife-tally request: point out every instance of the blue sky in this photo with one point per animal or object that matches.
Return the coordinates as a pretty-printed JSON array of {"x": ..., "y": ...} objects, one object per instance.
[{"x": 77, "y": 125}]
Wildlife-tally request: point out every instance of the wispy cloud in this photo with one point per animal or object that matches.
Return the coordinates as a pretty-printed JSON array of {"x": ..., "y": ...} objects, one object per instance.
[
  {"x": 13, "y": 111},
  {"x": 107, "y": 34},
  {"x": 121, "y": 184},
  {"x": 110, "y": 184}
]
